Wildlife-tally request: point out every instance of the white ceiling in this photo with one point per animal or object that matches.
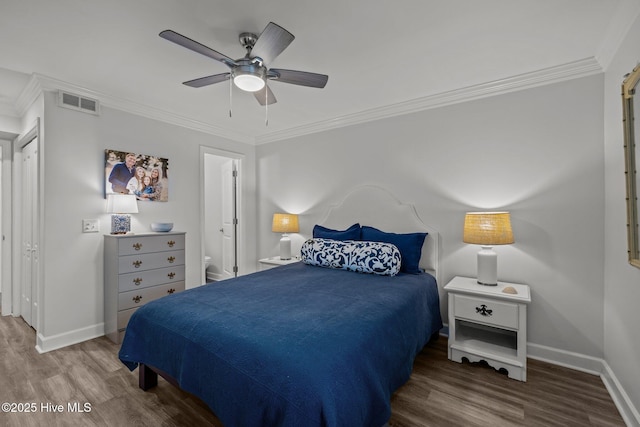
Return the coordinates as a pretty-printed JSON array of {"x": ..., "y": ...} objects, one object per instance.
[{"x": 377, "y": 54}]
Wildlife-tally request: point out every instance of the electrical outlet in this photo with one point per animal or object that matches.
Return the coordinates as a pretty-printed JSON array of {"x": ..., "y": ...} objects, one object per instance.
[{"x": 90, "y": 225}]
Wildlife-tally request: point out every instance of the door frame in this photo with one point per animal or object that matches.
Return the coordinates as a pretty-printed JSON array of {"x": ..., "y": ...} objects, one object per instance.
[
  {"x": 6, "y": 228},
  {"x": 241, "y": 226}
]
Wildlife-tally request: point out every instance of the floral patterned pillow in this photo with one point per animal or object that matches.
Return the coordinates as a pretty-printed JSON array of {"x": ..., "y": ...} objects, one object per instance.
[{"x": 362, "y": 257}]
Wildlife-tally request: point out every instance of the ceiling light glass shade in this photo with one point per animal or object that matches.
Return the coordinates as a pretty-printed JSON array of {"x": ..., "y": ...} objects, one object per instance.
[{"x": 249, "y": 77}]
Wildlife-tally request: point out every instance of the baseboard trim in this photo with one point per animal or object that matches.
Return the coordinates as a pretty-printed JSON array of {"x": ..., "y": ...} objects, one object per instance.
[
  {"x": 568, "y": 359},
  {"x": 54, "y": 342}
]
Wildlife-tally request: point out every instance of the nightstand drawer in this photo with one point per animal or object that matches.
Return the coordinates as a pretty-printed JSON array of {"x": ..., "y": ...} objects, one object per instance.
[{"x": 486, "y": 311}]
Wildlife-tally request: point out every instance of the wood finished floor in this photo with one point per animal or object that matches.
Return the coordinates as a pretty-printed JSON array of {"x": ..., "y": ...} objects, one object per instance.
[{"x": 439, "y": 393}]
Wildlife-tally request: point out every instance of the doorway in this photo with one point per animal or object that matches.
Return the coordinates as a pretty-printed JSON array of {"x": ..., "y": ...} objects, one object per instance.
[
  {"x": 5, "y": 225},
  {"x": 220, "y": 217}
]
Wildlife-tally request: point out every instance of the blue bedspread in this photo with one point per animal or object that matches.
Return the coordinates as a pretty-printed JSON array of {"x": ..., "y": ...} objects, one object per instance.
[{"x": 295, "y": 346}]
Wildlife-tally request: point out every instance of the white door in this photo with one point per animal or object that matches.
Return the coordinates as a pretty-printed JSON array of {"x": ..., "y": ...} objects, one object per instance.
[
  {"x": 229, "y": 219},
  {"x": 29, "y": 233}
]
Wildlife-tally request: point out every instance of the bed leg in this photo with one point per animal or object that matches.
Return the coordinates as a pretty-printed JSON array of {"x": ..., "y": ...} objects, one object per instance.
[{"x": 147, "y": 378}]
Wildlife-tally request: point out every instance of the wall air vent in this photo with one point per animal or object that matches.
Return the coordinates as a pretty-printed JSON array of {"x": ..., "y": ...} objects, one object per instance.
[{"x": 78, "y": 103}]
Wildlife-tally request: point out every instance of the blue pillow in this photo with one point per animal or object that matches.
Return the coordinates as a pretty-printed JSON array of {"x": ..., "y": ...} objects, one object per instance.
[
  {"x": 351, "y": 233},
  {"x": 410, "y": 246}
]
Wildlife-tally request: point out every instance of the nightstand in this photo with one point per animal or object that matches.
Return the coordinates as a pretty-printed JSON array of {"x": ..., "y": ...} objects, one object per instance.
[
  {"x": 485, "y": 323},
  {"x": 267, "y": 263}
]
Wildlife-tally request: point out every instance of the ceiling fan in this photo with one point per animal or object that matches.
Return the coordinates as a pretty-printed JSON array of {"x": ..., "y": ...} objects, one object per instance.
[{"x": 251, "y": 73}]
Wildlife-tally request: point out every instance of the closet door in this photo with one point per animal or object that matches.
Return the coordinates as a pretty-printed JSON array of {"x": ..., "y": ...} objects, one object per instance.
[{"x": 29, "y": 233}]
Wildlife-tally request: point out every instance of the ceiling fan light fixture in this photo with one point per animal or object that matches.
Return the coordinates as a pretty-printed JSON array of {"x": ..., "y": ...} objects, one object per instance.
[
  {"x": 249, "y": 77},
  {"x": 248, "y": 82}
]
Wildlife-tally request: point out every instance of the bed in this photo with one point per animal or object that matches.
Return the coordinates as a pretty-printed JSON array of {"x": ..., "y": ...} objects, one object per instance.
[{"x": 298, "y": 344}]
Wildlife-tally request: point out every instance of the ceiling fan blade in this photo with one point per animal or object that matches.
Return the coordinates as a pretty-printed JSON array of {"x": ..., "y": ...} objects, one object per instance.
[
  {"x": 209, "y": 80},
  {"x": 273, "y": 40},
  {"x": 263, "y": 97},
  {"x": 193, "y": 45},
  {"x": 301, "y": 78}
]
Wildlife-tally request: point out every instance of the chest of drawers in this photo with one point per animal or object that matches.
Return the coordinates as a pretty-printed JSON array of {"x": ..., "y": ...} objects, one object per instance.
[{"x": 139, "y": 268}]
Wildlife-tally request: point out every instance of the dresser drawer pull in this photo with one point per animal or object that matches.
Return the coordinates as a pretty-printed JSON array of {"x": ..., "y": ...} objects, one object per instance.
[
  {"x": 137, "y": 299},
  {"x": 170, "y": 291},
  {"x": 137, "y": 246},
  {"x": 171, "y": 243},
  {"x": 171, "y": 275},
  {"x": 484, "y": 311},
  {"x": 171, "y": 259},
  {"x": 137, "y": 281},
  {"x": 137, "y": 263}
]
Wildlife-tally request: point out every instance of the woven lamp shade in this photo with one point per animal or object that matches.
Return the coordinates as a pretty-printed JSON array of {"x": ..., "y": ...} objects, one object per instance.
[
  {"x": 285, "y": 223},
  {"x": 487, "y": 228}
]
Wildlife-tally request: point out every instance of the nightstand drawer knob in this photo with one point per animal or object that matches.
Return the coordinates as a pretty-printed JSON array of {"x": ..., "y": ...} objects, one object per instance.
[
  {"x": 171, "y": 275},
  {"x": 171, "y": 243},
  {"x": 484, "y": 311},
  {"x": 137, "y": 299},
  {"x": 170, "y": 291},
  {"x": 137, "y": 281},
  {"x": 137, "y": 246},
  {"x": 171, "y": 259},
  {"x": 137, "y": 263}
]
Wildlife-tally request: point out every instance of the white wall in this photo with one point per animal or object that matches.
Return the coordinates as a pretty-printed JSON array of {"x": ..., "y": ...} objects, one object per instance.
[
  {"x": 622, "y": 281},
  {"x": 537, "y": 153},
  {"x": 73, "y": 150}
]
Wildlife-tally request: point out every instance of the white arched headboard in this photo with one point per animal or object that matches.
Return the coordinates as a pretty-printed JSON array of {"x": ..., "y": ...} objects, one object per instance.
[{"x": 376, "y": 207}]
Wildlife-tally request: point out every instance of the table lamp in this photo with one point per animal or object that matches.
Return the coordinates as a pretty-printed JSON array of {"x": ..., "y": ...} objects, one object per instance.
[
  {"x": 120, "y": 206},
  {"x": 487, "y": 229},
  {"x": 285, "y": 223}
]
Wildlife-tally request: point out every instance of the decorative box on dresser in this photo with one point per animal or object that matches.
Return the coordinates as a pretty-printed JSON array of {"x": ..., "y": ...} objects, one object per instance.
[
  {"x": 139, "y": 268},
  {"x": 489, "y": 323}
]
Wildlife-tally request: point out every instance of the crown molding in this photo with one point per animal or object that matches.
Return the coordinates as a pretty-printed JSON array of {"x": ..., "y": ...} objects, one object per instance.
[
  {"x": 39, "y": 83},
  {"x": 581, "y": 68},
  {"x": 568, "y": 71}
]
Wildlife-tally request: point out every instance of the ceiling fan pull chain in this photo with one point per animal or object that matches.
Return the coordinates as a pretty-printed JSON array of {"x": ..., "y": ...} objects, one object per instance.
[{"x": 230, "y": 96}]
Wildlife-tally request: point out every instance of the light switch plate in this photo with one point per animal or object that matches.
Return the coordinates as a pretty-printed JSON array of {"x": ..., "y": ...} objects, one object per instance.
[{"x": 90, "y": 225}]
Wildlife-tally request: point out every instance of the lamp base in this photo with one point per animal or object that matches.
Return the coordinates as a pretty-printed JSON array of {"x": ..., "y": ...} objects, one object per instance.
[
  {"x": 285, "y": 247},
  {"x": 487, "y": 267},
  {"x": 120, "y": 224}
]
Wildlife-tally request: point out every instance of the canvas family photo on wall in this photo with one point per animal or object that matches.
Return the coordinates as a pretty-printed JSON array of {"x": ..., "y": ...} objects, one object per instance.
[{"x": 143, "y": 175}]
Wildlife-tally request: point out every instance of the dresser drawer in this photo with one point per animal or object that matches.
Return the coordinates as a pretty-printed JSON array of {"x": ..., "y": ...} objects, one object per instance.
[
  {"x": 139, "y": 262},
  {"x": 147, "y": 244},
  {"x": 144, "y": 279},
  {"x": 140, "y": 297},
  {"x": 486, "y": 311}
]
